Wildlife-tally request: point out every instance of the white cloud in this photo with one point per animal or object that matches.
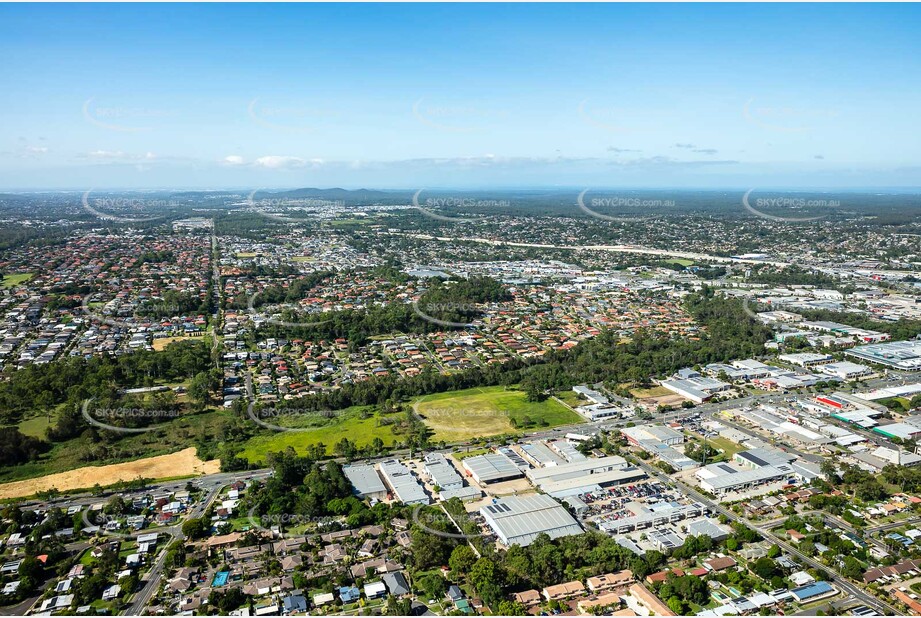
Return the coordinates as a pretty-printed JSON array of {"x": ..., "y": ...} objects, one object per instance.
[
  {"x": 32, "y": 152},
  {"x": 278, "y": 162},
  {"x": 106, "y": 154},
  {"x": 118, "y": 156},
  {"x": 233, "y": 160}
]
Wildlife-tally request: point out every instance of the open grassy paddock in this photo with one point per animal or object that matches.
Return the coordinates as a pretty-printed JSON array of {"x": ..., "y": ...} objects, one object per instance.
[
  {"x": 348, "y": 424},
  {"x": 475, "y": 412},
  {"x": 36, "y": 426}
]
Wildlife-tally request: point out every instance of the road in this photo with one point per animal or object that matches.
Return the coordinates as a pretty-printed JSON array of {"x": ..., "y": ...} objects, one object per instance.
[
  {"x": 151, "y": 580},
  {"x": 844, "y": 585},
  {"x": 213, "y": 483},
  {"x": 698, "y": 257}
]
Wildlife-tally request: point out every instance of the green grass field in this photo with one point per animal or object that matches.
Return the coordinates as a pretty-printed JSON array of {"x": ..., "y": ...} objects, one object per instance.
[
  {"x": 572, "y": 398},
  {"x": 476, "y": 412},
  {"x": 681, "y": 261},
  {"x": 728, "y": 447},
  {"x": 471, "y": 453},
  {"x": 349, "y": 424},
  {"x": 352, "y": 221},
  {"x": 11, "y": 281},
  {"x": 35, "y": 426}
]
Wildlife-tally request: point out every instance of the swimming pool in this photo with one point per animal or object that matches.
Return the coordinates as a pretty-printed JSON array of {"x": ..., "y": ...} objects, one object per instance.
[{"x": 220, "y": 579}]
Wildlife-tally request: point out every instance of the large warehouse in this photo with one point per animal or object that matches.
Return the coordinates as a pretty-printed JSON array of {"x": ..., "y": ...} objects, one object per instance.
[
  {"x": 905, "y": 355},
  {"x": 521, "y": 519},
  {"x": 403, "y": 483},
  {"x": 720, "y": 478},
  {"x": 366, "y": 482},
  {"x": 492, "y": 468}
]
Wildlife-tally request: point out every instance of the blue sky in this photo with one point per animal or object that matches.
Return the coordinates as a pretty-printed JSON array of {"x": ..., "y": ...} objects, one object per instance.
[{"x": 405, "y": 96}]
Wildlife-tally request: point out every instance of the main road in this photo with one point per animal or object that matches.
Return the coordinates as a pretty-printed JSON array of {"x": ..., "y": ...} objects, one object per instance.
[{"x": 844, "y": 584}]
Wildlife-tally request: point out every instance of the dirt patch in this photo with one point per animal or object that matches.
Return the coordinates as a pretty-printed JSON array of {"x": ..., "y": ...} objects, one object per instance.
[
  {"x": 161, "y": 342},
  {"x": 180, "y": 463}
]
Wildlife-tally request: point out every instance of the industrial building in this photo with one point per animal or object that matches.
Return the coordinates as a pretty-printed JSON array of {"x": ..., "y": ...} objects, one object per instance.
[
  {"x": 806, "y": 359},
  {"x": 659, "y": 440},
  {"x": 598, "y": 411},
  {"x": 577, "y": 469},
  {"x": 366, "y": 482},
  {"x": 403, "y": 483},
  {"x": 904, "y": 355},
  {"x": 722, "y": 478},
  {"x": 659, "y": 433},
  {"x": 652, "y": 517},
  {"x": 591, "y": 394},
  {"x": 520, "y": 520},
  {"x": 846, "y": 370},
  {"x": 861, "y": 334},
  {"x": 909, "y": 430},
  {"x": 591, "y": 484},
  {"x": 710, "y": 528},
  {"x": 441, "y": 472},
  {"x": 761, "y": 457},
  {"x": 741, "y": 370},
  {"x": 753, "y": 467},
  {"x": 540, "y": 454},
  {"x": 492, "y": 468},
  {"x": 691, "y": 385}
]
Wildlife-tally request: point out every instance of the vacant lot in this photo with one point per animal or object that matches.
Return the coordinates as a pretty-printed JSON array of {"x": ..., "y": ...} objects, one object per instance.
[
  {"x": 475, "y": 412},
  {"x": 160, "y": 343},
  {"x": 84, "y": 450},
  {"x": 728, "y": 447},
  {"x": 181, "y": 463},
  {"x": 658, "y": 395}
]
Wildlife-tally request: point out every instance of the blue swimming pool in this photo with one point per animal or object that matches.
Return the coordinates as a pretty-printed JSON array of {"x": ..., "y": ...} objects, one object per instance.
[{"x": 220, "y": 579}]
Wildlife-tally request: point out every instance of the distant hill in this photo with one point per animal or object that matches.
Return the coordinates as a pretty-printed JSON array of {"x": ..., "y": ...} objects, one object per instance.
[{"x": 344, "y": 194}]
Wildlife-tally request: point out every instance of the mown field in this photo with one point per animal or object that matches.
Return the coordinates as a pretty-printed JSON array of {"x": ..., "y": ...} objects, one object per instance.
[
  {"x": 327, "y": 431},
  {"x": 475, "y": 412},
  {"x": 11, "y": 281}
]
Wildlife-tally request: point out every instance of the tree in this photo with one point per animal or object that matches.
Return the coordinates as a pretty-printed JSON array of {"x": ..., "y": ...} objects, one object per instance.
[
  {"x": 485, "y": 577},
  {"x": 853, "y": 568},
  {"x": 199, "y": 389},
  {"x": 512, "y": 608},
  {"x": 829, "y": 470},
  {"x": 227, "y": 600},
  {"x": 462, "y": 559},
  {"x": 432, "y": 584},
  {"x": 195, "y": 528},
  {"x": 17, "y": 448},
  {"x": 115, "y": 506},
  {"x": 765, "y": 568},
  {"x": 676, "y": 605}
]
